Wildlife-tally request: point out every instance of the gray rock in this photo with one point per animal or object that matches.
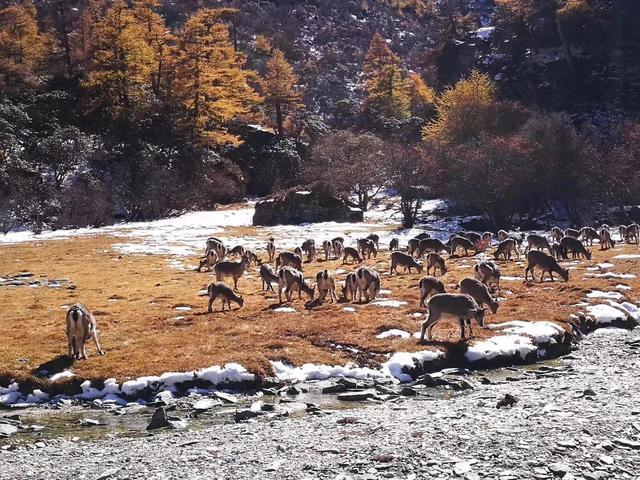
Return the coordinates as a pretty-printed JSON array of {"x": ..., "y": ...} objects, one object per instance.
[
  {"x": 244, "y": 415},
  {"x": 357, "y": 396},
  {"x": 205, "y": 404},
  {"x": 625, "y": 442},
  {"x": 90, "y": 422},
  {"x": 559, "y": 468},
  {"x": 226, "y": 397},
  {"x": 160, "y": 419},
  {"x": 332, "y": 387},
  {"x": 7, "y": 429}
]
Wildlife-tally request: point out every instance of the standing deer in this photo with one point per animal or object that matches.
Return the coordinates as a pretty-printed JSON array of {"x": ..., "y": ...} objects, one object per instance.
[
  {"x": 367, "y": 247},
  {"x": 209, "y": 260},
  {"x": 338, "y": 247},
  {"x": 368, "y": 283},
  {"x": 633, "y": 233},
  {"x": 429, "y": 286},
  {"x": 289, "y": 259},
  {"x": 326, "y": 285},
  {"x": 463, "y": 243},
  {"x": 375, "y": 238},
  {"x": 538, "y": 242},
  {"x": 505, "y": 247},
  {"x": 290, "y": 280},
  {"x": 606, "y": 242},
  {"x": 405, "y": 261},
  {"x": 81, "y": 327},
  {"x": 271, "y": 250},
  {"x": 394, "y": 244},
  {"x": 622, "y": 230},
  {"x": 488, "y": 273},
  {"x": 462, "y": 307},
  {"x": 326, "y": 247},
  {"x": 589, "y": 234},
  {"x": 556, "y": 234},
  {"x": 479, "y": 292},
  {"x": 434, "y": 261},
  {"x": 231, "y": 269},
  {"x": 268, "y": 276},
  {"x": 219, "y": 289},
  {"x": 575, "y": 247},
  {"x": 350, "y": 252},
  {"x": 350, "y": 288},
  {"x": 546, "y": 263},
  {"x": 432, "y": 244}
]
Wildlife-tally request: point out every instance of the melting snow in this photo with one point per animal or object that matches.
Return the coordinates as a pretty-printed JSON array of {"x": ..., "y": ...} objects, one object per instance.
[
  {"x": 310, "y": 371},
  {"x": 503, "y": 345},
  {"x": 394, "y": 332},
  {"x": 284, "y": 310},
  {"x": 599, "y": 294},
  {"x": 605, "y": 313},
  {"x": 389, "y": 303}
]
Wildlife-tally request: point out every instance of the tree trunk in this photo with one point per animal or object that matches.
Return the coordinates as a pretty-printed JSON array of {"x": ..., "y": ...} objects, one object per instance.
[{"x": 279, "y": 119}]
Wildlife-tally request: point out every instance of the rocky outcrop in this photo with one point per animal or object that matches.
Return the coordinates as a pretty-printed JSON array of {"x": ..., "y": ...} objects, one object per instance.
[{"x": 304, "y": 206}]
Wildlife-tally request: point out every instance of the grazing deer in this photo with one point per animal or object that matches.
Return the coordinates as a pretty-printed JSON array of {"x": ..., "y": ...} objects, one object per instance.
[
  {"x": 434, "y": 261},
  {"x": 463, "y": 243},
  {"x": 571, "y": 232},
  {"x": 633, "y": 233},
  {"x": 326, "y": 247},
  {"x": 268, "y": 277},
  {"x": 502, "y": 235},
  {"x": 271, "y": 250},
  {"x": 404, "y": 260},
  {"x": 432, "y": 244},
  {"x": 297, "y": 251},
  {"x": 367, "y": 247},
  {"x": 253, "y": 258},
  {"x": 350, "y": 252},
  {"x": 505, "y": 247},
  {"x": 375, "y": 238},
  {"x": 422, "y": 236},
  {"x": 622, "y": 230},
  {"x": 473, "y": 237},
  {"x": 368, "y": 283},
  {"x": 557, "y": 234},
  {"x": 237, "y": 251},
  {"x": 606, "y": 242},
  {"x": 479, "y": 292},
  {"x": 326, "y": 283},
  {"x": 219, "y": 289},
  {"x": 209, "y": 260},
  {"x": 546, "y": 263},
  {"x": 338, "y": 239},
  {"x": 394, "y": 244},
  {"x": 487, "y": 238},
  {"x": 216, "y": 245},
  {"x": 289, "y": 280},
  {"x": 575, "y": 247},
  {"x": 462, "y": 307},
  {"x": 429, "y": 286},
  {"x": 413, "y": 246},
  {"x": 231, "y": 269},
  {"x": 81, "y": 327},
  {"x": 306, "y": 245},
  {"x": 311, "y": 253},
  {"x": 558, "y": 251},
  {"x": 350, "y": 287},
  {"x": 338, "y": 247},
  {"x": 589, "y": 234},
  {"x": 289, "y": 259},
  {"x": 538, "y": 242},
  {"x": 488, "y": 273}
]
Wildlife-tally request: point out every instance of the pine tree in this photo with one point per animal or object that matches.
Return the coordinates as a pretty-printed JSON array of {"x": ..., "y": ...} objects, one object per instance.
[
  {"x": 385, "y": 82},
  {"x": 119, "y": 76},
  {"x": 280, "y": 90},
  {"x": 84, "y": 39},
  {"x": 22, "y": 47},
  {"x": 211, "y": 82}
]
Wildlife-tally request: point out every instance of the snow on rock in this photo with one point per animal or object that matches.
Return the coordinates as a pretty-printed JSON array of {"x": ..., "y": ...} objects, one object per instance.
[
  {"x": 605, "y": 313},
  {"x": 605, "y": 265},
  {"x": 394, "y": 332},
  {"x": 310, "y": 371},
  {"x": 389, "y": 303},
  {"x": 501, "y": 345},
  {"x": 543, "y": 332},
  {"x": 600, "y": 294},
  {"x": 632, "y": 309},
  {"x": 408, "y": 360},
  {"x": 59, "y": 376},
  {"x": 511, "y": 279},
  {"x": 623, "y": 287},
  {"x": 628, "y": 255}
]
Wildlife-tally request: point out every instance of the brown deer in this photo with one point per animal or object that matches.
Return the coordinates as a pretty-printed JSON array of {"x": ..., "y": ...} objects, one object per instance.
[
  {"x": 505, "y": 247},
  {"x": 557, "y": 234},
  {"x": 326, "y": 284},
  {"x": 219, "y": 289},
  {"x": 368, "y": 283},
  {"x": 405, "y": 261},
  {"x": 606, "y": 242},
  {"x": 429, "y": 286},
  {"x": 575, "y": 247},
  {"x": 350, "y": 252},
  {"x": 367, "y": 247},
  {"x": 271, "y": 250},
  {"x": 546, "y": 263},
  {"x": 479, "y": 292},
  {"x": 231, "y": 269},
  {"x": 81, "y": 327},
  {"x": 589, "y": 234},
  {"x": 375, "y": 238},
  {"x": 434, "y": 261},
  {"x": 633, "y": 233},
  {"x": 290, "y": 280},
  {"x": 326, "y": 247},
  {"x": 488, "y": 273},
  {"x": 462, "y": 307},
  {"x": 209, "y": 260},
  {"x": 432, "y": 244},
  {"x": 394, "y": 244},
  {"x": 289, "y": 259},
  {"x": 350, "y": 288},
  {"x": 538, "y": 242},
  {"x": 268, "y": 276}
]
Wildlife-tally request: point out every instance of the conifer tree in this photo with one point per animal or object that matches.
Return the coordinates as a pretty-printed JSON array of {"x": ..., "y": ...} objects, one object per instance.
[
  {"x": 280, "y": 90},
  {"x": 385, "y": 82}
]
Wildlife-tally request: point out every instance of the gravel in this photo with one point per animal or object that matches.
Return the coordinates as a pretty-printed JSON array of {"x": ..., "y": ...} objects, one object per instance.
[{"x": 554, "y": 431}]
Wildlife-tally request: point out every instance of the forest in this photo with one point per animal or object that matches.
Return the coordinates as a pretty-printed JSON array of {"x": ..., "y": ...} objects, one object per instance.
[{"x": 133, "y": 110}]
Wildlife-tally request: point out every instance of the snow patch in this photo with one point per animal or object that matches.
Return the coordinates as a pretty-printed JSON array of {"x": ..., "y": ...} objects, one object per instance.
[
  {"x": 600, "y": 294},
  {"x": 503, "y": 345},
  {"x": 394, "y": 332},
  {"x": 389, "y": 303},
  {"x": 310, "y": 371},
  {"x": 284, "y": 310},
  {"x": 605, "y": 313},
  {"x": 409, "y": 360}
]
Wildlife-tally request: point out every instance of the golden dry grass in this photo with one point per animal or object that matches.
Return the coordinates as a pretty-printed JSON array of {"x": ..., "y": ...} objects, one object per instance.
[{"x": 134, "y": 299}]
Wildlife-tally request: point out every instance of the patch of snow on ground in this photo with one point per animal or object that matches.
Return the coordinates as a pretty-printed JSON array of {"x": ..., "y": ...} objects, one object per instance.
[
  {"x": 394, "y": 332},
  {"x": 349, "y": 309},
  {"x": 605, "y": 265},
  {"x": 310, "y": 371},
  {"x": 621, "y": 276},
  {"x": 511, "y": 279},
  {"x": 502, "y": 345},
  {"x": 408, "y": 360},
  {"x": 543, "y": 332},
  {"x": 628, "y": 255},
  {"x": 284, "y": 310},
  {"x": 599, "y": 294},
  {"x": 605, "y": 313},
  {"x": 389, "y": 303},
  {"x": 623, "y": 287}
]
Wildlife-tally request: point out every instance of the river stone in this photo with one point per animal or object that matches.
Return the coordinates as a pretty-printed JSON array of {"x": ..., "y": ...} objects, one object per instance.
[
  {"x": 160, "y": 419},
  {"x": 226, "y": 397},
  {"x": 244, "y": 415},
  {"x": 559, "y": 468},
  {"x": 7, "y": 429},
  {"x": 625, "y": 442},
  {"x": 357, "y": 396},
  {"x": 205, "y": 404}
]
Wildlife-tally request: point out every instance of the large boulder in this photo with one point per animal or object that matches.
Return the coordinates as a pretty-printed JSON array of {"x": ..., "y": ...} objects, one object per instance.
[{"x": 303, "y": 206}]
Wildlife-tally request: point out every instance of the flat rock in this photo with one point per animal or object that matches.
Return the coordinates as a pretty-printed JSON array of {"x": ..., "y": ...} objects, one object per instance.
[
  {"x": 205, "y": 404},
  {"x": 357, "y": 395},
  {"x": 226, "y": 397},
  {"x": 625, "y": 442},
  {"x": 7, "y": 429}
]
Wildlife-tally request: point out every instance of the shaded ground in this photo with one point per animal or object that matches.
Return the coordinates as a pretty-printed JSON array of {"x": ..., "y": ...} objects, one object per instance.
[{"x": 139, "y": 303}]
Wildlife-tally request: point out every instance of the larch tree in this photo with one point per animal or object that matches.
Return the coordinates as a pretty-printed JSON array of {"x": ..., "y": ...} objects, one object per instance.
[
  {"x": 385, "y": 82},
  {"x": 22, "y": 47},
  {"x": 119, "y": 75},
  {"x": 211, "y": 83},
  {"x": 422, "y": 96},
  {"x": 281, "y": 91}
]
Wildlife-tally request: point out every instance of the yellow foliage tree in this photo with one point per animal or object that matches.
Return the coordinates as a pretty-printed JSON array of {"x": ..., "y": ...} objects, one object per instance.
[
  {"x": 84, "y": 39},
  {"x": 211, "y": 82},
  {"x": 385, "y": 82},
  {"x": 280, "y": 90},
  {"x": 423, "y": 97},
  {"x": 459, "y": 109},
  {"x": 22, "y": 46},
  {"x": 119, "y": 75}
]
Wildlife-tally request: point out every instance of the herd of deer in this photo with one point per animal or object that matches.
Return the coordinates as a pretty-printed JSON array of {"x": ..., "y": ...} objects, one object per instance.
[{"x": 467, "y": 305}]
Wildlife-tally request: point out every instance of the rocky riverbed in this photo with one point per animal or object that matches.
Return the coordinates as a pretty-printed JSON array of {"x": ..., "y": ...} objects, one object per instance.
[{"x": 575, "y": 418}]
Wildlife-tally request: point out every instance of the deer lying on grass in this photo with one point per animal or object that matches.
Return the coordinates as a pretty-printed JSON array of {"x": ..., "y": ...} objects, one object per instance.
[
  {"x": 326, "y": 248},
  {"x": 216, "y": 245},
  {"x": 338, "y": 247},
  {"x": 375, "y": 238},
  {"x": 462, "y": 307},
  {"x": 429, "y": 286},
  {"x": 589, "y": 234},
  {"x": 394, "y": 244},
  {"x": 237, "y": 251},
  {"x": 81, "y": 327},
  {"x": 234, "y": 270},
  {"x": 479, "y": 292},
  {"x": 289, "y": 259},
  {"x": 432, "y": 245},
  {"x": 633, "y": 233},
  {"x": 546, "y": 263},
  {"x": 209, "y": 260},
  {"x": 505, "y": 247},
  {"x": 367, "y": 247},
  {"x": 434, "y": 261},
  {"x": 463, "y": 243},
  {"x": 290, "y": 280},
  {"x": 368, "y": 283},
  {"x": 575, "y": 247},
  {"x": 350, "y": 252},
  {"x": 219, "y": 289},
  {"x": 405, "y": 261},
  {"x": 488, "y": 273},
  {"x": 537, "y": 242},
  {"x": 557, "y": 234},
  {"x": 350, "y": 287},
  {"x": 268, "y": 276},
  {"x": 271, "y": 250},
  {"x": 622, "y": 230},
  {"x": 606, "y": 242},
  {"x": 571, "y": 232},
  {"x": 326, "y": 284}
]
